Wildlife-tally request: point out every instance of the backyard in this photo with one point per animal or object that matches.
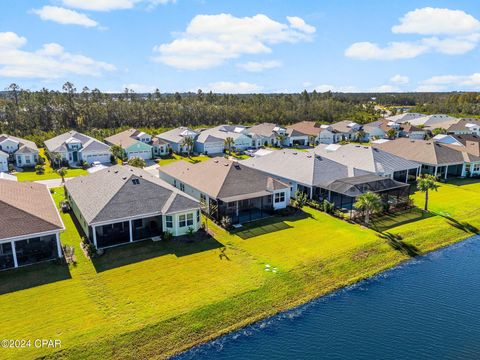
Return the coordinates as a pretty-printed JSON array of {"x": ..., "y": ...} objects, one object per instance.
[
  {"x": 29, "y": 174},
  {"x": 168, "y": 159},
  {"x": 155, "y": 298}
]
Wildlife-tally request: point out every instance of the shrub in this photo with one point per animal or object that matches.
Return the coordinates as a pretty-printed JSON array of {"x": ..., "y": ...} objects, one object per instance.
[
  {"x": 40, "y": 161},
  {"x": 137, "y": 162},
  {"x": 167, "y": 235},
  {"x": 39, "y": 169},
  {"x": 300, "y": 199},
  {"x": 89, "y": 248},
  {"x": 85, "y": 165},
  {"x": 226, "y": 222},
  {"x": 11, "y": 168},
  {"x": 328, "y": 207}
]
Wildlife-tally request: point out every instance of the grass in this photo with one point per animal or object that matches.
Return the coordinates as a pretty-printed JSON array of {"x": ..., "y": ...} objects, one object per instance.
[
  {"x": 152, "y": 299},
  {"x": 29, "y": 174},
  {"x": 168, "y": 159}
]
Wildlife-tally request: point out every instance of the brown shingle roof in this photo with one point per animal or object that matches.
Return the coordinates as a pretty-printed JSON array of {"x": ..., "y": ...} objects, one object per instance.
[
  {"x": 222, "y": 178},
  {"x": 306, "y": 127},
  {"x": 123, "y": 139},
  {"x": 26, "y": 208},
  {"x": 427, "y": 151}
]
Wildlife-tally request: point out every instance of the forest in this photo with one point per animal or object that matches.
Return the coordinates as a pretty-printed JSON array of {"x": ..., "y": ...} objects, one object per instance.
[{"x": 39, "y": 115}]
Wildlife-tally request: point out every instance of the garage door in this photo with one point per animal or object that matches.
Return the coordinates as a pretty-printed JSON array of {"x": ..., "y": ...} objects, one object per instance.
[
  {"x": 141, "y": 154},
  {"x": 214, "y": 148},
  {"x": 90, "y": 158}
]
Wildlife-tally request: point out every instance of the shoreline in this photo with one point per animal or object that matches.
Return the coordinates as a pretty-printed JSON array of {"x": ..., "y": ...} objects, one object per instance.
[{"x": 304, "y": 301}]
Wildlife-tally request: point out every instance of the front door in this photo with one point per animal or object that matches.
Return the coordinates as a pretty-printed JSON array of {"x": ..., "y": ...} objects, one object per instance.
[{"x": 75, "y": 156}]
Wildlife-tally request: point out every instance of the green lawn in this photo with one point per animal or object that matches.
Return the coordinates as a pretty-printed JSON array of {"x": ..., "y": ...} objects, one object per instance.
[
  {"x": 165, "y": 160},
  {"x": 29, "y": 173},
  {"x": 151, "y": 299}
]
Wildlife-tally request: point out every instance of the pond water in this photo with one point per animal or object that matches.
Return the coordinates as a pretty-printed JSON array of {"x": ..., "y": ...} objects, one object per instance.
[{"x": 428, "y": 308}]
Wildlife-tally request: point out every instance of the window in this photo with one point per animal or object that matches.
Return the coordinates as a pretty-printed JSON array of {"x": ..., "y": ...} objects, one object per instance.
[
  {"x": 203, "y": 198},
  {"x": 182, "y": 187},
  {"x": 476, "y": 167},
  {"x": 279, "y": 197},
  {"x": 27, "y": 160},
  {"x": 169, "y": 221},
  {"x": 135, "y": 181},
  {"x": 198, "y": 216},
  {"x": 190, "y": 219},
  {"x": 138, "y": 223},
  {"x": 182, "y": 221},
  {"x": 174, "y": 182}
]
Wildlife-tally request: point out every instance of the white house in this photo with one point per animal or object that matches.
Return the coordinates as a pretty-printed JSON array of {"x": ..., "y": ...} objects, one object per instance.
[
  {"x": 211, "y": 141},
  {"x": 175, "y": 138},
  {"x": 23, "y": 153},
  {"x": 123, "y": 204},
  {"x": 74, "y": 148}
]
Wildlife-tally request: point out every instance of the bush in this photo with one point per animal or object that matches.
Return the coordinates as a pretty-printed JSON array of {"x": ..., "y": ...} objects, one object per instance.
[
  {"x": 226, "y": 222},
  {"x": 39, "y": 169},
  {"x": 40, "y": 161},
  {"x": 137, "y": 162},
  {"x": 328, "y": 207},
  {"x": 89, "y": 248},
  {"x": 11, "y": 168},
  {"x": 167, "y": 235},
  {"x": 85, "y": 165}
]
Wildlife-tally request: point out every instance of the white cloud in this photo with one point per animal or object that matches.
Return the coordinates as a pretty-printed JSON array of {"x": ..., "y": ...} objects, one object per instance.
[
  {"x": 140, "y": 88},
  {"x": 385, "y": 88},
  {"x": 210, "y": 40},
  {"x": 472, "y": 80},
  {"x": 433, "y": 21},
  {"x": 461, "y": 34},
  {"x": 258, "y": 66},
  {"x": 300, "y": 24},
  {"x": 395, "y": 50},
  {"x": 109, "y": 5},
  {"x": 50, "y": 61},
  {"x": 64, "y": 16},
  {"x": 399, "y": 79},
  {"x": 233, "y": 88},
  {"x": 334, "y": 88}
]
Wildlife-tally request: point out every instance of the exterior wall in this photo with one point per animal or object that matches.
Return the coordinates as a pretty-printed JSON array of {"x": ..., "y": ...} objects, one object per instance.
[
  {"x": 91, "y": 156},
  {"x": 282, "y": 204},
  {"x": 417, "y": 135},
  {"x": 209, "y": 148},
  {"x": 242, "y": 142},
  {"x": 326, "y": 137},
  {"x": 293, "y": 139},
  {"x": 160, "y": 149},
  {"x": 3, "y": 164},
  {"x": 26, "y": 160},
  {"x": 140, "y": 150},
  {"x": 375, "y": 133},
  {"x": 78, "y": 215},
  {"x": 177, "y": 229}
]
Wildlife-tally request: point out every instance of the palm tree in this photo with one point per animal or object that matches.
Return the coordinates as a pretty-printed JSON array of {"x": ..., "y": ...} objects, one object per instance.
[
  {"x": 426, "y": 183},
  {"x": 391, "y": 134},
  {"x": 280, "y": 139},
  {"x": 188, "y": 142},
  {"x": 57, "y": 159},
  {"x": 360, "y": 135},
  {"x": 62, "y": 172},
  {"x": 370, "y": 203},
  {"x": 228, "y": 143}
]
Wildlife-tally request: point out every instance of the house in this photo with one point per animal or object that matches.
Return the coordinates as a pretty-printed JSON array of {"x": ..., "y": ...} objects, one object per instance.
[
  {"x": 228, "y": 188},
  {"x": 23, "y": 153},
  {"x": 268, "y": 134},
  {"x": 441, "y": 160},
  {"x": 175, "y": 138},
  {"x": 135, "y": 143},
  {"x": 464, "y": 127},
  {"x": 371, "y": 159},
  {"x": 305, "y": 132},
  {"x": 123, "y": 204},
  {"x": 404, "y": 117},
  {"x": 3, "y": 161},
  {"x": 383, "y": 127},
  {"x": 212, "y": 141},
  {"x": 431, "y": 121},
  {"x": 345, "y": 130},
  {"x": 6, "y": 176},
  {"x": 30, "y": 225},
  {"x": 322, "y": 179},
  {"x": 75, "y": 148}
]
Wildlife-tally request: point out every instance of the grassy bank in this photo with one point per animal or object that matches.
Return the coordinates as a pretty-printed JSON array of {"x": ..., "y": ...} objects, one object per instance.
[{"x": 154, "y": 299}]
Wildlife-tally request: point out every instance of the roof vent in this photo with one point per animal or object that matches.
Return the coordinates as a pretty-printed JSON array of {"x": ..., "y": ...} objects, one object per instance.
[
  {"x": 124, "y": 178},
  {"x": 135, "y": 181}
]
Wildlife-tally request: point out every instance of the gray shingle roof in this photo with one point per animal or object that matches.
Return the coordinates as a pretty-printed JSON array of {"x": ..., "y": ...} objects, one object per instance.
[
  {"x": 112, "y": 194},
  {"x": 57, "y": 144},
  {"x": 367, "y": 158},
  {"x": 221, "y": 132},
  {"x": 27, "y": 145},
  {"x": 302, "y": 167},
  {"x": 359, "y": 185},
  {"x": 175, "y": 135}
]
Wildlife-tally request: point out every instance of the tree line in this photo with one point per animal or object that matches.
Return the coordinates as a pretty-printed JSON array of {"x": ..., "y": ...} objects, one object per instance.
[{"x": 39, "y": 115}]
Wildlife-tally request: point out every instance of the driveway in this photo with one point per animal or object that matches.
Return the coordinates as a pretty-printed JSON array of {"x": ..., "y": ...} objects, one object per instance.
[{"x": 51, "y": 183}]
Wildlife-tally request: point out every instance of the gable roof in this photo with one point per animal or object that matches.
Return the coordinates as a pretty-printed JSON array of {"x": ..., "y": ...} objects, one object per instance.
[
  {"x": 462, "y": 124},
  {"x": 404, "y": 117},
  {"x": 264, "y": 129},
  {"x": 177, "y": 135},
  {"x": 26, "y": 208},
  {"x": 221, "y": 133},
  {"x": 356, "y": 186},
  {"x": 125, "y": 138},
  {"x": 223, "y": 179},
  {"x": 366, "y": 158},
  {"x": 427, "y": 151},
  {"x": 344, "y": 126},
  {"x": 302, "y": 167},
  {"x": 386, "y": 125},
  {"x": 24, "y": 146},
  {"x": 58, "y": 143},
  {"x": 111, "y": 194},
  {"x": 310, "y": 128}
]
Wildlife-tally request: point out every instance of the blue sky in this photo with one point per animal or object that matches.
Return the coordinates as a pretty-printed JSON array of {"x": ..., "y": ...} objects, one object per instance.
[{"x": 241, "y": 46}]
